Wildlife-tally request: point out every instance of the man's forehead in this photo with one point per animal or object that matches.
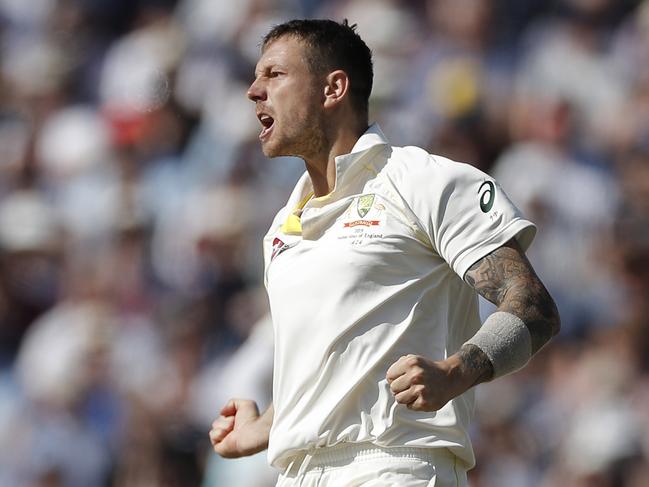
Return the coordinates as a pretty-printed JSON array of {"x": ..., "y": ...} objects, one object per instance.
[{"x": 284, "y": 50}]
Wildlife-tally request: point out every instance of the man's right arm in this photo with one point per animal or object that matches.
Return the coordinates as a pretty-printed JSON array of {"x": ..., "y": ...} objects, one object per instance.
[{"x": 240, "y": 430}]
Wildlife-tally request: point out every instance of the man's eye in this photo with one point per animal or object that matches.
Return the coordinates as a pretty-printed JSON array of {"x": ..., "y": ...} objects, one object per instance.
[{"x": 275, "y": 74}]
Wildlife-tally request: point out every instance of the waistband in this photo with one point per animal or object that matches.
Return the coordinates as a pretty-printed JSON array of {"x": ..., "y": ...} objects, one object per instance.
[{"x": 346, "y": 453}]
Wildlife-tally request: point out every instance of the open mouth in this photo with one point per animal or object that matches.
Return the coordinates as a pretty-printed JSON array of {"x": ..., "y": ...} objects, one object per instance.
[{"x": 267, "y": 123}]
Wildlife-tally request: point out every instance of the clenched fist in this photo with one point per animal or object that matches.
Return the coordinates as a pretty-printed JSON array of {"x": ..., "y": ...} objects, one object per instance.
[
  {"x": 240, "y": 430},
  {"x": 426, "y": 385}
]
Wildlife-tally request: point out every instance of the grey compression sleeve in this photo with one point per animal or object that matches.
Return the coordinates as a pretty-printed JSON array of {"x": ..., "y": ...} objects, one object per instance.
[{"x": 505, "y": 340}]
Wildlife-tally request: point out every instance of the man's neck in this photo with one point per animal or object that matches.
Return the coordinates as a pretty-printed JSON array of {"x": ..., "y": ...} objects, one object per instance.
[{"x": 322, "y": 167}]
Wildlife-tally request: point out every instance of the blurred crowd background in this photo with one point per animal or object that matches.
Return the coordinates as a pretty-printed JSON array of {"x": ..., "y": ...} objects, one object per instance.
[{"x": 134, "y": 195}]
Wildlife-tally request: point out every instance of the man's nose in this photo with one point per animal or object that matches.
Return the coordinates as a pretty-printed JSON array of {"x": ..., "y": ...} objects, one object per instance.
[{"x": 256, "y": 92}]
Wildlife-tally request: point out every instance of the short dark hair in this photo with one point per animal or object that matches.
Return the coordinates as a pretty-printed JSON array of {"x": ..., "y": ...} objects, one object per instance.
[{"x": 333, "y": 45}]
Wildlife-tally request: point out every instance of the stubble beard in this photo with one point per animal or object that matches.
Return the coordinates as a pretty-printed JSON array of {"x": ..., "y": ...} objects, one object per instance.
[{"x": 304, "y": 138}]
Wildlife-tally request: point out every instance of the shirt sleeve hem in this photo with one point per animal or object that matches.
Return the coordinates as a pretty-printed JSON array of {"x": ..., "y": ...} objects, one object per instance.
[{"x": 521, "y": 229}]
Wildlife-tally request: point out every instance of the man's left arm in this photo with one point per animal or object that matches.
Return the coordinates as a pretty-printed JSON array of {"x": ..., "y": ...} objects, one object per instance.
[{"x": 526, "y": 318}]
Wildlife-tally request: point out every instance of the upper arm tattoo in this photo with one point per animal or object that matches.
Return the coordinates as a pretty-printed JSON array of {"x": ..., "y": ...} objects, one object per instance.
[{"x": 506, "y": 278}]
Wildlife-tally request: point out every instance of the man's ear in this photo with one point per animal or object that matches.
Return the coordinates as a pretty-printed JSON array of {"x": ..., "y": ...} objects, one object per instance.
[{"x": 336, "y": 88}]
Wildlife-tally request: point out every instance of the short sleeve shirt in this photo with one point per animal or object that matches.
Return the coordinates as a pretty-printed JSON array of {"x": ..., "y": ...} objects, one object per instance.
[{"x": 369, "y": 273}]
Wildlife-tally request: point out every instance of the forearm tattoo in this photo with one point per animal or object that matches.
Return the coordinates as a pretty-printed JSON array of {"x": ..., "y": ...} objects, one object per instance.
[
  {"x": 506, "y": 278},
  {"x": 475, "y": 361}
]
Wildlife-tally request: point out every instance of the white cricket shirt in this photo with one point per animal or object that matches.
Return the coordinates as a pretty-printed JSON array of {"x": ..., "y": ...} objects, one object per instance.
[{"x": 374, "y": 273}]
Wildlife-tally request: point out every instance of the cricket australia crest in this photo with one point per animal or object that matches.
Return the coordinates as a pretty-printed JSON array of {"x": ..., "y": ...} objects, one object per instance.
[
  {"x": 366, "y": 228},
  {"x": 364, "y": 204}
]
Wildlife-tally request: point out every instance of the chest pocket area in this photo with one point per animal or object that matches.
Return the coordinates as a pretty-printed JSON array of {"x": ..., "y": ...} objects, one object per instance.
[{"x": 372, "y": 219}]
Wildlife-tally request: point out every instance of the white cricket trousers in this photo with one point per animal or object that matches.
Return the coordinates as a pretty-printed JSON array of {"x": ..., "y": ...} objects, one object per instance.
[{"x": 366, "y": 465}]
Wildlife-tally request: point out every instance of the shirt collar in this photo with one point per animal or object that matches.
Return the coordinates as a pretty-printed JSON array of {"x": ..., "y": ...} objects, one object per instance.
[
  {"x": 347, "y": 163},
  {"x": 372, "y": 137}
]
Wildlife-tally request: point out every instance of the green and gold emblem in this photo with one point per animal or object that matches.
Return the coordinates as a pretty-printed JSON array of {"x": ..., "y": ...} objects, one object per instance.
[{"x": 364, "y": 204}]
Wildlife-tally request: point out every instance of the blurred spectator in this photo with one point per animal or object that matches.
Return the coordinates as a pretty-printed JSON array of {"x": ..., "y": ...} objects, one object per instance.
[
  {"x": 70, "y": 410},
  {"x": 30, "y": 265}
]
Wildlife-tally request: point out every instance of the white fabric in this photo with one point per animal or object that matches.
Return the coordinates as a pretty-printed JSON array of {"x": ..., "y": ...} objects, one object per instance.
[
  {"x": 364, "y": 465},
  {"x": 355, "y": 291}
]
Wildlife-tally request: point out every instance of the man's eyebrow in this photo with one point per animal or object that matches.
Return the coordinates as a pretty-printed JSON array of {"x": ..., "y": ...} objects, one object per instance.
[{"x": 269, "y": 67}]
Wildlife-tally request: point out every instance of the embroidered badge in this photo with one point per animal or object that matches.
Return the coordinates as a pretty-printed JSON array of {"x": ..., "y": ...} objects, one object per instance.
[{"x": 364, "y": 204}]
